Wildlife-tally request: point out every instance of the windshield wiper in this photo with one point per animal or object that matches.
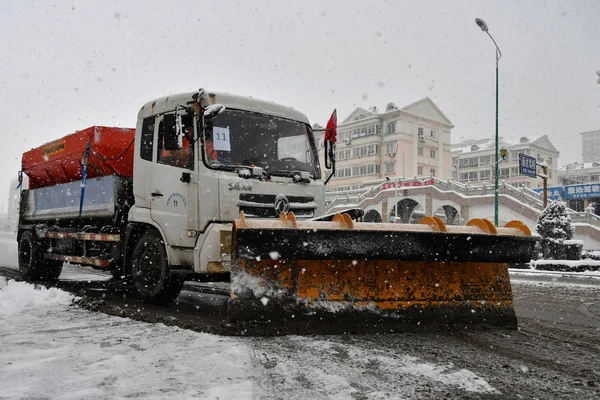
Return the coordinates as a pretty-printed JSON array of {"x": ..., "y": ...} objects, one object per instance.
[
  {"x": 247, "y": 171},
  {"x": 299, "y": 176}
]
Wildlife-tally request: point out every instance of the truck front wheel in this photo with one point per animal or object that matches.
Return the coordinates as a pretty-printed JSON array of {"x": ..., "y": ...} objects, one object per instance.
[
  {"x": 150, "y": 273},
  {"x": 32, "y": 264}
]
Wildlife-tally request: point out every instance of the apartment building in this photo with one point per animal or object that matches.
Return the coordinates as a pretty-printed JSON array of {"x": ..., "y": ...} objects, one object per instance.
[
  {"x": 399, "y": 142},
  {"x": 474, "y": 160},
  {"x": 590, "y": 143}
]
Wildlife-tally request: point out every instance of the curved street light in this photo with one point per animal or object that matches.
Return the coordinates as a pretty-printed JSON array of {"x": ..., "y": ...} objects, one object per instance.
[{"x": 481, "y": 23}]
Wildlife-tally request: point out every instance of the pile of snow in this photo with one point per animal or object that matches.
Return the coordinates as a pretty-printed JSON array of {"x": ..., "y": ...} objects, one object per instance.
[
  {"x": 51, "y": 349},
  {"x": 586, "y": 265},
  {"x": 20, "y": 297}
]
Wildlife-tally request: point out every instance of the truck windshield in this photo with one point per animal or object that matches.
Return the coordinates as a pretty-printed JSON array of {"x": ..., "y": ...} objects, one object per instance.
[{"x": 280, "y": 146}]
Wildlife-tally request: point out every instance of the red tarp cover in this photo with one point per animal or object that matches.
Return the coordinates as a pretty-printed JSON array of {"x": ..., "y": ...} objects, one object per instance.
[{"x": 60, "y": 161}]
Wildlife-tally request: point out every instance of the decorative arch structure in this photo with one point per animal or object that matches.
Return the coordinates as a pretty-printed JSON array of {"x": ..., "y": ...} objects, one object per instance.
[
  {"x": 406, "y": 207},
  {"x": 372, "y": 216}
]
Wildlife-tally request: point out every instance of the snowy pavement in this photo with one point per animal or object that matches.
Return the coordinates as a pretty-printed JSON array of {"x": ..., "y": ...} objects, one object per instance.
[{"x": 52, "y": 349}]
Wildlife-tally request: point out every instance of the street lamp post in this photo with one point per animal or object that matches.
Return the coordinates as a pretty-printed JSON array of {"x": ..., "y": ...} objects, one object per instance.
[{"x": 481, "y": 23}]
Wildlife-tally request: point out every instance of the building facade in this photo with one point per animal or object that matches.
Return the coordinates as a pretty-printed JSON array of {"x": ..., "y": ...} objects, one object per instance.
[
  {"x": 474, "y": 161},
  {"x": 580, "y": 184},
  {"x": 590, "y": 143},
  {"x": 400, "y": 142}
]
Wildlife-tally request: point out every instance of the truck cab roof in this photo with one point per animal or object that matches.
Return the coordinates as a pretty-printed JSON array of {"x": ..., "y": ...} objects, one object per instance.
[{"x": 168, "y": 103}]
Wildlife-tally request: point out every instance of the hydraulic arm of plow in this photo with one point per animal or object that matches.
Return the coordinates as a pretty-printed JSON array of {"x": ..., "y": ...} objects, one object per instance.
[{"x": 411, "y": 272}]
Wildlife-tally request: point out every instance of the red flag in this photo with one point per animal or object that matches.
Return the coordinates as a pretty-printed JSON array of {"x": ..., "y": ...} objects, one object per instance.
[{"x": 331, "y": 129}]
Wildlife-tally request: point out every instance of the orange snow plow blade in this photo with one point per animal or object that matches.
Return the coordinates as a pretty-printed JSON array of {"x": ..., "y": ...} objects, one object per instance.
[{"x": 425, "y": 272}]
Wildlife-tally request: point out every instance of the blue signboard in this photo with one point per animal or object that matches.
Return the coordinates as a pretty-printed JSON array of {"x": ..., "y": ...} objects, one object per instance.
[
  {"x": 585, "y": 191},
  {"x": 554, "y": 192},
  {"x": 527, "y": 165}
]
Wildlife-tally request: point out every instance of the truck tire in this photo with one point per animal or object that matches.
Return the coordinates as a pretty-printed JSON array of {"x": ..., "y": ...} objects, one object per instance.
[
  {"x": 32, "y": 264},
  {"x": 150, "y": 273}
]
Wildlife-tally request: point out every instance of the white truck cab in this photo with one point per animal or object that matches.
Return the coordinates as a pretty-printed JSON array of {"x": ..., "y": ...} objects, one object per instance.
[{"x": 242, "y": 155}]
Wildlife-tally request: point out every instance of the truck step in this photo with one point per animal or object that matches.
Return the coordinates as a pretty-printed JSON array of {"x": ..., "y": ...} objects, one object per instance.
[{"x": 98, "y": 262}]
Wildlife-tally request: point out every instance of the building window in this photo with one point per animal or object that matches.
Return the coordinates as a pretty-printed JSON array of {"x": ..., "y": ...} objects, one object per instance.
[
  {"x": 432, "y": 171},
  {"x": 504, "y": 173},
  {"x": 420, "y": 131},
  {"x": 390, "y": 148},
  {"x": 362, "y": 151},
  {"x": 390, "y": 167},
  {"x": 420, "y": 171},
  {"x": 485, "y": 160},
  {"x": 454, "y": 160},
  {"x": 390, "y": 127},
  {"x": 432, "y": 134},
  {"x": 431, "y": 153},
  {"x": 360, "y": 170},
  {"x": 419, "y": 151},
  {"x": 484, "y": 174}
]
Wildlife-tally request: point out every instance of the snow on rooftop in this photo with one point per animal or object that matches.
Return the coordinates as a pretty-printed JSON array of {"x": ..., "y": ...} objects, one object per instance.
[
  {"x": 467, "y": 146},
  {"x": 579, "y": 166}
]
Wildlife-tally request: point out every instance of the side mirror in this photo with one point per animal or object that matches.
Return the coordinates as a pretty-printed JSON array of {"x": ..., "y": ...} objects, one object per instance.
[
  {"x": 213, "y": 110},
  {"x": 172, "y": 132}
]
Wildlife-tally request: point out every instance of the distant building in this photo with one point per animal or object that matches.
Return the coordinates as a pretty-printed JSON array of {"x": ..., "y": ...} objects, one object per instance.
[
  {"x": 578, "y": 173},
  {"x": 400, "y": 142},
  {"x": 590, "y": 143},
  {"x": 588, "y": 176},
  {"x": 474, "y": 160}
]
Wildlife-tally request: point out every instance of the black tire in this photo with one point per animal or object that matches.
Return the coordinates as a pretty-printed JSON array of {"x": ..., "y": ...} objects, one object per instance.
[
  {"x": 150, "y": 273},
  {"x": 32, "y": 264}
]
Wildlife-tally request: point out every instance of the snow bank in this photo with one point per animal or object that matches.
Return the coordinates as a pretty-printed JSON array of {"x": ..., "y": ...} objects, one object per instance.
[
  {"x": 53, "y": 350},
  {"x": 585, "y": 265},
  {"x": 19, "y": 297}
]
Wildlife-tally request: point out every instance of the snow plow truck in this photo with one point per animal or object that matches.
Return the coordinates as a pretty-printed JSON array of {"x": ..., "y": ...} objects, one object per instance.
[{"x": 219, "y": 187}]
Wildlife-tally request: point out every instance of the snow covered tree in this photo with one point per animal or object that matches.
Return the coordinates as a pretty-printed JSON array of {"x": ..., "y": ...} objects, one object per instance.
[{"x": 554, "y": 226}]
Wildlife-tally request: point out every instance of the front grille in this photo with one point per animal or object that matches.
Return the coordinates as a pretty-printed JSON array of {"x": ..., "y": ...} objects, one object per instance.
[{"x": 263, "y": 205}]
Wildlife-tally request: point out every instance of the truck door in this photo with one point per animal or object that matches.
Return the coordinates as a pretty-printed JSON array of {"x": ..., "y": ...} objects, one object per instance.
[{"x": 173, "y": 182}]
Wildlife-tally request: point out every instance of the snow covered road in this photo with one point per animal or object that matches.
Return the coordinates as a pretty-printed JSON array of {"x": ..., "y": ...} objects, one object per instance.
[{"x": 51, "y": 349}]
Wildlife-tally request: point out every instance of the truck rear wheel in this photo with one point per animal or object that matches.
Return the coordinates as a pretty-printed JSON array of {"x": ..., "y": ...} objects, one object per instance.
[
  {"x": 32, "y": 264},
  {"x": 150, "y": 273}
]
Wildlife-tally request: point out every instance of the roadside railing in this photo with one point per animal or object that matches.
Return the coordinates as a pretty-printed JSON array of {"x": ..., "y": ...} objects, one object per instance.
[{"x": 524, "y": 195}]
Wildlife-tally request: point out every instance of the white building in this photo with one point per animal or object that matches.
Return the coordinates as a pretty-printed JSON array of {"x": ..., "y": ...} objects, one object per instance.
[
  {"x": 400, "y": 142},
  {"x": 584, "y": 177},
  {"x": 590, "y": 143},
  {"x": 474, "y": 160}
]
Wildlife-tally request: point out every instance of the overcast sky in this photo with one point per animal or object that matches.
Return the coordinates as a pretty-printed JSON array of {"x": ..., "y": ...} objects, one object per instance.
[{"x": 68, "y": 65}]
